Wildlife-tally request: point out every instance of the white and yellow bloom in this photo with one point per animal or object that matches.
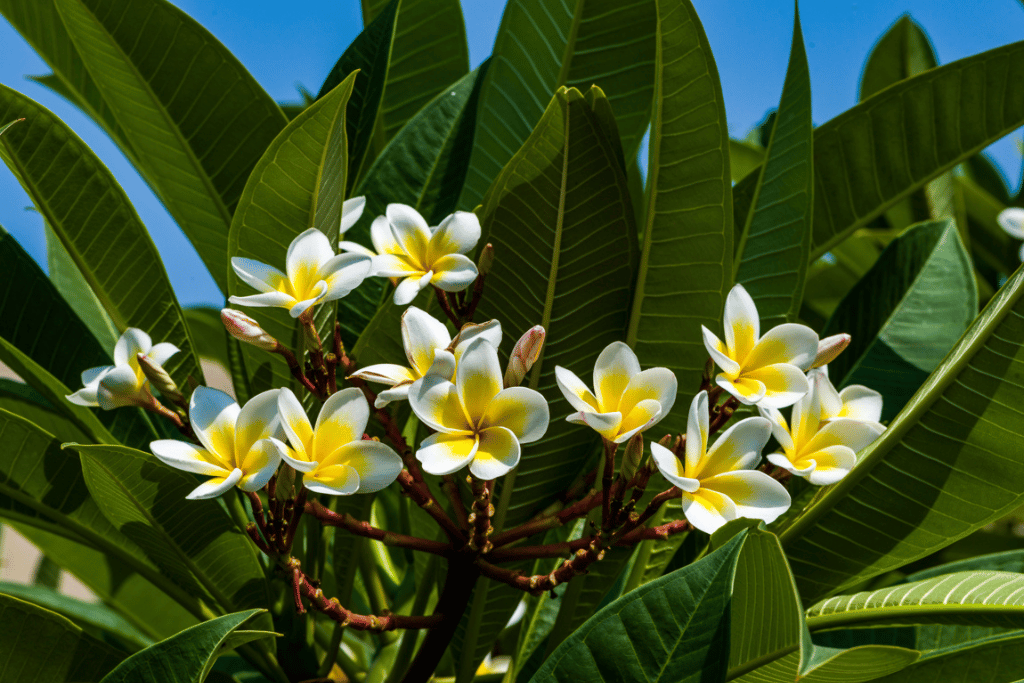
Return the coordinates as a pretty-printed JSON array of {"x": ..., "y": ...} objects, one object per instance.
[
  {"x": 313, "y": 275},
  {"x": 123, "y": 383},
  {"x": 426, "y": 341},
  {"x": 409, "y": 249},
  {"x": 854, "y": 402},
  {"x": 333, "y": 456},
  {"x": 478, "y": 423},
  {"x": 719, "y": 484},
  {"x": 351, "y": 210},
  {"x": 240, "y": 446},
  {"x": 1011, "y": 220},
  {"x": 766, "y": 370},
  {"x": 821, "y": 452},
  {"x": 625, "y": 399}
]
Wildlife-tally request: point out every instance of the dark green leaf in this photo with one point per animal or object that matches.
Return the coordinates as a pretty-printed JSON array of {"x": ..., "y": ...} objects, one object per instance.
[
  {"x": 26, "y": 402},
  {"x": 73, "y": 288},
  {"x": 903, "y": 51},
  {"x": 994, "y": 661}
]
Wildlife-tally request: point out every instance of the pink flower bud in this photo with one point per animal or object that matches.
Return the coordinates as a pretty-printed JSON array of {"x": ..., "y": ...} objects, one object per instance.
[
  {"x": 486, "y": 260},
  {"x": 524, "y": 355},
  {"x": 245, "y": 329},
  {"x": 829, "y": 348}
]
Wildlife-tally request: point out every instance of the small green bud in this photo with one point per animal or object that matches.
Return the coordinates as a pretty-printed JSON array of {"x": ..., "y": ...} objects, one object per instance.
[
  {"x": 633, "y": 456},
  {"x": 159, "y": 379}
]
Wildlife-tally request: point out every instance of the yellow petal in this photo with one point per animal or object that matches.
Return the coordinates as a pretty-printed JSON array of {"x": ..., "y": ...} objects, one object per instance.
[{"x": 478, "y": 378}]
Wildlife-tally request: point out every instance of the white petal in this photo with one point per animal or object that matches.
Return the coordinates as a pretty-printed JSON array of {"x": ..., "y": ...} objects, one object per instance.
[
  {"x": 343, "y": 273},
  {"x": 161, "y": 353},
  {"x": 446, "y": 453},
  {"x": 739, "y": 448},
  {"x": 215, "y": 487},
  {"x": 188, "y": 458},
  {"x": 523, "y": 411},
  {"x": 298, "y": 465},
  {"x": 444, "y": 364},
  {"x": 119, "y": 387},
  {"x": 317, "y": 295},
  {"x": 265, "y": 300},
  {"x": 453, "y": 273},
  {"x": 85, "y": 397},
  {"x": 390, "y": 265},
  {"x": 132, "y": 342},
  {"x": 843, "y": 432},
  {"x": 399, "y": 393},
  {"x": 860, "y": 403},
  {"x": 805, "y": 467},
  {"x": 697, "y": 425},
  {"x": 805, "y": 418},
  {"x": 490, "y": 330},
  {"x": 1012, "y": 221},
  {"x": 406, "y": 218},
  {"x": 478, "y": 378},
  {"x": 780, "y": 428},
  {"x": 784, "y": 384},
  {"x": 340, "y": 480},
  {"x": 718, "y": 352},
  {"x": 408, "y": 288},
  {"x": 605, "y": 424},
  {"x": 377, "y": 464},
  {"x": 641, "y": 417},
  {"x": 342, "y": 420},
  {"x": 830, "y": 465},
  {"x": 708, "y": 510},
  {"x": 658, "y": 384},
  {"x": 386, "y": 373},
  {"x": 92, "y": 376},
  {"x": 787, "y": 343},
  {"x": 258, "y": 275},
  {"x": 295, "y": 424},
  {"x": 260, "y": 464},
  {"x": 435, "y": 401},
  {"x": 351, "y": 210},
  {"x": 258, "y": 419},
  {"x": 827, "y": 399},
  {"x": 497, "y": 453},
  {"x": 747, "y": 391},
  {"x": 213, "y": 415},
  {"x": 575, "y": 391},
  {"x": 755, "y": 494},
  {"x": 457, "y": 234},
  {"x": 307, "y": 253},
  {"x": 356, "y": 248},
  {"x": 382, "y": 237},
  {"x": 410, "y": 230},
  {"x": 422, "y": 334},
  {"x": 615, "y": 366},
  {"x": 742, "y": 324},
  {"x": 670, "y": 468}
]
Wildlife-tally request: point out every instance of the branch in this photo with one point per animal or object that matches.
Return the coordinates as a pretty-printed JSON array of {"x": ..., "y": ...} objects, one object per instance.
[
  {"x": 539, "y": 524},
  {"x": 480, "y": 518},
  {"x": 540, "y": 583},
  {"x": 359, "y": 528}
]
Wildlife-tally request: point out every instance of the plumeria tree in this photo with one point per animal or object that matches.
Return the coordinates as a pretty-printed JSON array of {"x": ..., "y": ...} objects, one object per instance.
[{"x": 507, "y": 403}]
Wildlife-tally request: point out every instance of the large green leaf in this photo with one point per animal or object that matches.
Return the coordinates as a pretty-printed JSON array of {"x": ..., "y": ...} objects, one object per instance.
[
  {"x": 370, "y": 55},
  {"x": 40, "y": 645},
  {"x": 427, "y": 31},
  {"x": 771, "y": 257},
  {"x": 543, "y": 45},
  {"x": 673, "y": 629},
  {"x": 194, "y": 543},
  {"x": 903, "y": 51},
  {"x": 209, "y": 334},
  {"x": 686, "y": 262},
  {"x": 993, "y": 661},
  {"x": 68, "y": 280},
  {"x": 946, "y": 466},
  {"x": 195, "y": 119},
  {"x": 424, "y": 167},
  {"x": 299, "y": 182},
  {"x": 26, "y": 402},
  {"x": 885, "y": 148},
  {"x": 562, "y": 195},
  {"x": 90, "y": 213},
  {"x": 183, "y": 658},
  {"x": 905, "y": 314}
]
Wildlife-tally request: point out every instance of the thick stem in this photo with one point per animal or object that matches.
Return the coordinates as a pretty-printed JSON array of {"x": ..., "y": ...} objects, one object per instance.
[
  {"x": 648, "y": 512},
  {"x": 533, "y": 552},
  {"x": 360, "y": 528},
  {"x": 451, "y": 489},
  {"x": 480, "y": 518},
  {"x": 446, "y": 306},
  {"x": 540, "y": 583},
  {"x": 607, "y": 476},
  {"x": 539, "y": 524},
  {"x": 296, "y": 369}
]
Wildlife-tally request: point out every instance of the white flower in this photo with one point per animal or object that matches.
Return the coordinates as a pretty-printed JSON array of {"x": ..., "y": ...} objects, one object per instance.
[
  {"x": 1012, "y": 221},
  {"x": 478, "y": 423},
  {"x": 855, "y": 402},
  {"x": 123, "y": 383},
  {"x": 821, "y": 452},
  {"x": 314, "y": 275},
  {"x": 241, "y": 446},
  {"x": 351, "y": 210},
  {"x": 625, "y": 399},
  {"x": 719, "y": 484},
  {"x": 426, "y": 341},
  {"x": 409, "y": 249},
  {"x": 333, "y": 456},
  {"x": 766, "y": 370}
]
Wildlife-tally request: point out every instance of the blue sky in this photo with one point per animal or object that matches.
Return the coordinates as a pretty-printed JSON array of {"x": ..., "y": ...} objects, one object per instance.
[{"x": 750, "y": 40}]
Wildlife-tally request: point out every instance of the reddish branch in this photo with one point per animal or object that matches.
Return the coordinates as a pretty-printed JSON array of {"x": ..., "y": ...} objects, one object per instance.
[
  {"x": 606, "y": 483},
  {"x": 481, "y": 515},
  {"x": 365, "y": 529},
  {"x": 451, "y": 489},
  {"x": 539, "y": 524},
  {"x": 539, "y": 583}
]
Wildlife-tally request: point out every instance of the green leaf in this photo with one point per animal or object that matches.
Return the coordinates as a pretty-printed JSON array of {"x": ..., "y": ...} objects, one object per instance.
[
  {"x": 68, "y": 280},
  {"x": 905, "y": 314},
  {"x": 885, "y": 148},
  {"x": 369, "y": 55},
  {"x": 183, "y": 658},
  {"x": 197, "y": 122},
  {"x": 673, "y": 629},
  {"x": 543, "y": 45},
  {"x": 1008, "y": 561},
  {"x": 40, "y": 645},
  {"x": 194, "y": 543},
  {"x": 771, "y": 257},
  {"x": 999, "y": 659},
  {"x": 903, "y": 51},
  {"x": 426, "y": 30},
  {"x": 85, "y": 614},
  {"x": 945, "y": 467},
  {"x": 990, "y": 244},
  {"x": 744, "y": 157},
  {"x": 209, "y": 334},
  {"x": 26, "y": 402},
  {"x": 299, "y": 182},
  {"x": 80, "y": 199}
]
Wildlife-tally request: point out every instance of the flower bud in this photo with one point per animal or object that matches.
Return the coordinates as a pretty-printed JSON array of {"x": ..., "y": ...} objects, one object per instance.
[
  {"x": 829, "y": 348},
  {"x": 483, "y": 266},
  {"x": 245, "y": 329},
  {"x": 524, "y": 355},
  {"x": 159, "y": 379},
  {"x": 633, "y": 456}
]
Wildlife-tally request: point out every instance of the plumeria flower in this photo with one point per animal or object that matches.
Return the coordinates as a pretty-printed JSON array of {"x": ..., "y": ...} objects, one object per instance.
[
  {"x": 1012, "y": 221},
  {"x": 855, "y": 402},
  {"x": 123, "y": 383},
  {"x": 314, "y": 275},
  {"x": 351, "y": 211},
  {"x": 409, "y": 249},
  {"x": 333, "y": 455},
  {"x": 821, "y": 452},
  {"x": 240, "y": 446},
  {"x": 426, "y": 341},
  {"x": 766, "y": 370},
  {"x": 625, "y": 399},
  {"x": 478, "y": 423},
  {"x": 719, "y": 485}
]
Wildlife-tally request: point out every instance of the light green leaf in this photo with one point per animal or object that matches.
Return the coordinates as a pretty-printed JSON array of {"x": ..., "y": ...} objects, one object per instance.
[
  {"x": 744, "y": 157},
  {"x": 999, "y": 659},
  {"x": 209, "y": 334},
  {"x": 39, "y": 645},
  {"x": 990, "y": 244},
  {"x": 686, "y": 262},
  {"x": 183, "y": 658},
  {"x": 197, "y": 122},
  {"x": 80, "y": 200},
  {"x": 946, "y": 465},
  {"x": 298, "y": 183},
  {"x": 68, "y": 280},
  {"x": 26, "y": 402},
  {"x": 194, "y": 543},
  {"x": 1008, "y": 561},
  {"x": 543, "y": 45},
  {"x": 905, "y": 314},
  {"x": 771, "y": 257}
]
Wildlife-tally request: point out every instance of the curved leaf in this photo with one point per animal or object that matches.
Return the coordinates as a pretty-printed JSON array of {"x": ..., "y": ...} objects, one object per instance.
[
  {"x": 73, "y": 288},
  {"x": 999, "y": 659},
  {"x": 946, "y": 465},
  {"x": 195, "y": 119},
  {"x": 39, "y": 645},
  {"x": 90, "y": 213},
  {"x": 903, "y": 51},
  {"x": 686, "y": 262},
  {"x": 543, "y": 45},
  {"x": 771, "y": 256}
]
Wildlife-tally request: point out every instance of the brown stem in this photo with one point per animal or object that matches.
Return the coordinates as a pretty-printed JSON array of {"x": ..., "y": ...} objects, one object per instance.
[
  {"x": 299, "y": 506},
  {"x": 651, "y": 509},
  {"x": 539, "y": 524},
  {"x": 360, "y": 528},
  {"x": 480, "y": 518},
  {"x": 658, "y": 532},
  {"x": 478, "y": 293},
  {"x": 580, "y": 487},
  {"x": 722, "y": 414},
  {"x": 254, "y": 534},
  {"x": 296, "y": 370},
  {"x": 446, "y": 306},
  {"x": 540, "y": 583},
  {"x": 451, "y": 489},
  {"x": 420, "y": 493},
  {"x": 531, "y": 552},
  {"x": 606, "y": 483}
]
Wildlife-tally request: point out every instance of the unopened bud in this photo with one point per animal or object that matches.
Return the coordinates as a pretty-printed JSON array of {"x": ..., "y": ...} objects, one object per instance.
[
  {"x": 632, "y": 457},
  {"x": 483, "y": 266},
  {"x": 245, "y": 329},
  {"x": 159, "y": 379},
  {"x": 524, "y": 355},
  {"x": 829, "y": 348},
  {"x": 708, "y": 374}
]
